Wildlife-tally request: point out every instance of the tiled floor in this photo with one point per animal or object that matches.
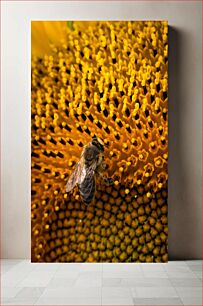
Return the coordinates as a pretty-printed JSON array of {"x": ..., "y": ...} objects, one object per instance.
[{"x": 174, "y": 283}]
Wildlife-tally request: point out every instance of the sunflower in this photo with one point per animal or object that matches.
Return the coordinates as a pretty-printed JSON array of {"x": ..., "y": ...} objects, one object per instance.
[{"x": 108, "y": 79}]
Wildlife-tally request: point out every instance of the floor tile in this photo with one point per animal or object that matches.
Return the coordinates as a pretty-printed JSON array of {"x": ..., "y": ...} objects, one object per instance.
[
  {"x": 116, "y": 292},
  {"x": 196, "y": 268},
  {"x": 198, "y": 274},
  {"x": 158, "y": 301},
  {"x": 154, "y": 292},
  {"x": 90, "y": 274},
  {"x": 189, "y": 291},
  {"x": 91, "y": 267},
  {"x": 193, "y": 262},
  {"x": 155, "y": 274},
  {"x": 176, "y": 263},
  {"x": 146, "y": 282},
  {"x": 122, "y": 274},
  {"x": 4, "y": 301},
  {"x": 69, "y": 301},
  {"x": 70, "y": 266},
  {"x": 122, "y": 270},
  {"x": 36, "y": 280},
  {"x": 185, "y": 282},
  {"x": 61, "y": 282},
  {"x": 112, "y": 282},
  {"x": 21, "y": 301},
  {"x": 46, "y": 267},
  {"x": 9, "y": 292},
  {"x": 172, "y": 283},
  {"x": 72, "y": 292},
  {"x": 127, "y": 301},
  {"x": 66, "y": 274},
  {"x": 89, "y": 279},
  {"x": 122, "y": 267},
  {"x": 176, "y": 268},
  {"x": 6, "y": 268},
  {"x": 153, "y": 267},
  {"x": 30, "y": 292},
  {"x": 192, "y": 301},
  {"x": 179, "y": 274},
  {"x": 136, "y": 282},
  {"x": 16, "y": 274}
]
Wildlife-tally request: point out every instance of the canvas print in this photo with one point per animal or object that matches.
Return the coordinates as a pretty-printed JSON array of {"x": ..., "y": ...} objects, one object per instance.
[{"x": 99, "y": 113}]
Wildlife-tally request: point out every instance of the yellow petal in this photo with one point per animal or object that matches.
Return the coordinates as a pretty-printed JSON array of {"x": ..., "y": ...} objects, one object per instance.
[{"x": 46, "y": 33}]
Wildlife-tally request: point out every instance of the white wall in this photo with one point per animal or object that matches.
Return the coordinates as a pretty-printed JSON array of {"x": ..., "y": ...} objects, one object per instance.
[{"x": 184, "y": 109}]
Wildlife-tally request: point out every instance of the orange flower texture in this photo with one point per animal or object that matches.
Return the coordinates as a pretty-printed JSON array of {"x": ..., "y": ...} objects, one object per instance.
[{"x": 107, "y": 79}]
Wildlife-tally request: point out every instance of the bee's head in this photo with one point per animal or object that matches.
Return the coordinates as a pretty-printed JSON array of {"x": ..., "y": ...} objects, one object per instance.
[{"x": 97, "y": 142}]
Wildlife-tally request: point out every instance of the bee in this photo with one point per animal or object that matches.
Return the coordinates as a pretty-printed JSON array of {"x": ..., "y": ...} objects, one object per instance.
[{"x": 90, "y": 165}]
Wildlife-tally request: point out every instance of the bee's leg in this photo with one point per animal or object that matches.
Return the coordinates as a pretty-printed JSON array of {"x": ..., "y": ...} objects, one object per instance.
[
  {"x": 86, "y": 204},
  {"x": 89, "y": 203},
  {"x": 103, "y": 165},
  {"x": 107, "y": 180}
]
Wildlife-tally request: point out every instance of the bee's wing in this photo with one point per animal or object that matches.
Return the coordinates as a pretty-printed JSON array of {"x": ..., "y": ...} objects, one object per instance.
[
  {"x": 87, "y": 186},
  {"x": 75, "y": 177}
]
